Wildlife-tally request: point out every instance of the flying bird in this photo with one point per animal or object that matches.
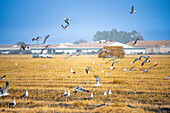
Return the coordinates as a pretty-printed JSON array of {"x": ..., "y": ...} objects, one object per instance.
[
  {"x": 99, "y": 50},
  {"x": 88, "y": 69},
  {"x": 3, "y": 77},
  {"x": 66, "y": 20},
  {"x": 97, "y": 80},
  {"x": 135, "y": 41},
  {"x": 132, "y": 10},
  {"x": 5, "y": 91},
  {"x": 107, "y": 56},
  {"x": 64, "y": 27},
  {"x": 25, "y": 95},
  {"x": 146, "y": 60},
  {"x": 105, "y": 92},
  {"x": 131, "y": 69},
  {"x": 48, "y": 36},
  {"x": 110, "y": 60},
  {"x": 102, "y": 41},
  {"x": 12, "y": 104},
  {"x": 110, "y": 92},
  {"x": 46, "y": 47},
  {"x": 106, "y": 51},
  {"x": 24, "y": 46},
  {"x": 80, "y": 89},
  {"x": 73, "y": 71},
  {"x": 69, "y": 56},
  {"x": 36, "y": 38},
  {"x": 115, "y": 62},
  {"x": 146, "y": 70}
]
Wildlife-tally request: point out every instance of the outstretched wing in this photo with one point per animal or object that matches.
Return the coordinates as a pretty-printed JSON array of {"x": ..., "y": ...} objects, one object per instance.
[
  {"x": 153, "y": 66},
  {"x": 6, "y": 87},
  {"x": 136, "y": 41},
  {"x": 46, "y": 38}
]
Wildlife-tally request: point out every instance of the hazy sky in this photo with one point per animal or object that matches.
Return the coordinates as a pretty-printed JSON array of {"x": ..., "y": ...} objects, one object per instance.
[{"x": 21, "y": 20}]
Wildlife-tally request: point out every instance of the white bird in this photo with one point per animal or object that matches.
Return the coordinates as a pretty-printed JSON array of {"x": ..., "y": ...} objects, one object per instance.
[
  {"x": 167, "y": 78},
  {"x": 112, "y": 68},
  {"x": 25, "y": 95},
  {"x": 91, "y": 96},
  {"x": 66, "y": 20},
  {"x": 16, "y": 64},
  {"x": 5, "y": 91},
  {"x": 97, "y": 81},
  {"x": 105, "y": 93},
  {"x": 110, "y": 92},
  {"x": 12, "y": 104},
  {"x": 80, "y": 89},
  {"x": 65, "y": 92},
  {"x": 125, "y": 69},
  {"x": 102, "y": 71},
  {"x": 68, "y": 94},
  {"x": 3, "y": 77},
  {"x": 73, "y": 71}
]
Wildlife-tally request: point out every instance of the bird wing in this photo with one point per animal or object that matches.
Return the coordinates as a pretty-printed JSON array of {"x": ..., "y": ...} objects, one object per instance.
[
  {"x": 46, "y": 38},
  {"x": 99, "y": 50},
  {"x": 143, "y": 63},
  {"x": 113, "y": 63},
  {"x": 66, "y": 26},
  {"x": 135, "y": 60},
  {"x": 132, "y": 68},
  {"x": 6, "y": 87},
  {"x": 108, "y": 61},
  {"x": 136, "y": 40},
  {"x": 153, "y": 66}
]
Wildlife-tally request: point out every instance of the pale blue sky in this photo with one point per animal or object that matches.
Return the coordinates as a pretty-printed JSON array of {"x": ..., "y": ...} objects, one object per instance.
[{"x": 21, "y": 20}]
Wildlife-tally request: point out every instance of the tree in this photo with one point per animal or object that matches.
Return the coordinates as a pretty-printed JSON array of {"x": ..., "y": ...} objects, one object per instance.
[
  {"x": 80, "y": 41},
  {"x": 119, "y": 36}
]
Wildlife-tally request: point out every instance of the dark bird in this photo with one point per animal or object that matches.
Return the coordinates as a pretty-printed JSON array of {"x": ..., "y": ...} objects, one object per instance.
[
  {"x": 24, "y": 46},
  {"x": 5, "y": 91},
  {"x": 97, "y": 80},
  {"x": 146, "y": 60},
  {"x": 25, "y": 95},
  {"x": 135, "y": 41},
  {"x": 64, "y": 27},
  {"x": 46, "y": 47},
  {"x": 131, "y": 69},
  {"x": 132, "y": 10},
  {"x": 102, "y": 41},
  {"x": 80, "y": 89},
  {"x": 167, "y": 78},
  {"x": 106, "y": 51},
  {"x": 146, "y": 70},
  {"x": 66, "y": 20},
  {"x": 36, "y": 38},
  {"x": 115, "y": 62},
  {"x": 12, "y": 104},
  {"x": 48, "y": 36},
  {"x": 99, "y": 50},
  {"x": 2, "y": 78}
]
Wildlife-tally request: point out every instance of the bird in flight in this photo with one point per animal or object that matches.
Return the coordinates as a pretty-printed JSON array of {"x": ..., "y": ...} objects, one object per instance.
[
  {"x": 115, "y": 62},
  {"x": 5, "y": 91},
  {"x": 69, "y": 56},
  {"x": 48, "y": 36},
  {"x": 131, "y": 69},
  {"x": 106, "y": 51},
  {"x": 167, "y": 78},
  {"x": 132, "y": 10},
  {"x": 64, "y": 27},
  {"x": 102, "y": 41},
  {"x": 97, "y": 80},
  {"x": 146, "y": 60},
  {"x": 46, "y": 47},
  {"x": 146, "y": 70},
  {"x": 36, "y": 38},
  {"x": 24, "y": 46},
  {"x": 80, "y": 89},
  {"x": 135, "y": 42},
  {"x": 66, "y": 20}
]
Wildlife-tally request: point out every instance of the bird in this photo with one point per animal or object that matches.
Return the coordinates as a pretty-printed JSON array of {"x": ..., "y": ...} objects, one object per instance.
[
  {"x": 24, "y": 46},
  {"x": 146, "y": 60},
  {"x": 110, "y": 60},
  {"x": 64, "y": 27},
  {"x": 102, "y": 41},
  {"x": 36, "y": 38},
  {"x": 125, "y": 69},
  {"x": 134, "y": 60},
  {"x": 97, "y": 81},
  {"x": 110, "y": 92},
  {"x": 99, "y": 50},
  {"x": 25, "y": 95},
  {"x": 88, "y": 98},
  {"x": 3, "y": 77},
  {"x": 167, "y": 78},
  {"x": 68, "y": 94},
  {"x": 135, "y": 41},
  {"x": 69, "y": 56},
  {"x": 44, "y": 48},
  {"x": 131, "y": 69},
  {"x": 12, "y": 104},
  {"x": 65, "y": 92},
  {"x": 112, "y": 68},
  {"x": 146, "y": 70},
  {"x": 107, "y": 56},
  {"x": 80, "y": 89},
  {"x": 88, "y": 69},
  {"x": 102, "y": 71},
  {"x": 5, "y": 91},
  {"x": 105, "y": 92},
  {"x": 66, "y": 20},
  {"x": 115, "y": 62},
  {"x": 106, "y": 51},
  {"x": 48, "y": 36},
  {"x": 73, "y": 71},
  {"x": 132, "y": 10}
]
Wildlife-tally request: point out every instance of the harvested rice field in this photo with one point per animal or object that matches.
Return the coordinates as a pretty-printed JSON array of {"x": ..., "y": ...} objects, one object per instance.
[{"x": 46, "y": 79}]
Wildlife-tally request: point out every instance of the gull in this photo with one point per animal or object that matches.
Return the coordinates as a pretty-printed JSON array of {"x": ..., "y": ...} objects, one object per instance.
[
  {"x": 102, "y": 71},
  {"x": 68, "y": 94},
  {"x": 146, "y": 70},
  {"x": 36, "y": 38},
  {"x": 3, "y": 77},
  {"x": 66, "y": 20},
  {"x": 110, "y": 92},
  {"x": 106, "y": 51},
  {"x": 80, "y": 89},
  {"x": 88, "y": 69},
  {"x": 167, "y": 78},
  {"x": 97, "y": 81},
  {"x": 132, "y": 10},
  {"x": 135, "y": 41},
  {"x": 99, "y": 50},
  {"x": 65, "y": 92},
  {"x": 12, "y": 104},
  {"x": 44, "y": 48},
  {"x": 5, "y": 91},
  {"x": 23, "y": 46},
  {"x": 112, "y": 68},
  {"x": 131, "y": 69},
  {"x": 49, "y": 72},
  {"x": 105, "y": 93},
  {"x": 48, "y": 36},
  {"x": 125, "y": 69},
  {"x": 91, "y": 96},
  {"x": 69, "y": 56},
  {"x": 115, "y": 62},
  {"x": 25, "y": 95},
  {"x": 73, "y": 71},
  {"x": 139, "y": 59},
  {"x": 111, "y": 60},
  {"x": 64, "y": 27},
  {"x": 146, "y": 60}
]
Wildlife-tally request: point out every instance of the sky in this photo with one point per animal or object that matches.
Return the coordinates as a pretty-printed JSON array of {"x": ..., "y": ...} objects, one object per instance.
[{"x": 22, "y": 20}]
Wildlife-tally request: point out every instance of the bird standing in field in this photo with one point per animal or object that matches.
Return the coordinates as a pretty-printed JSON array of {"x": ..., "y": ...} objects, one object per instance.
[
  {"x": 146, "y": 70},
  {"x": 3, "y": 77},
  {"x": 48, "y": 36},
  {"x": 64, "y": 27},
  {"x": 105, "y": 93},
  {"x": 25, "y": 95},
  {"x": 167, "y": 78},
  {"x": 13, "y": 103},
  {"x": 125, "y": 69},
  {"x": 132, "y": 10},
  {"x": 73, "y": 71},
  {"x": 68, "y": 94},
  {"x": 110, "y": 92}
]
